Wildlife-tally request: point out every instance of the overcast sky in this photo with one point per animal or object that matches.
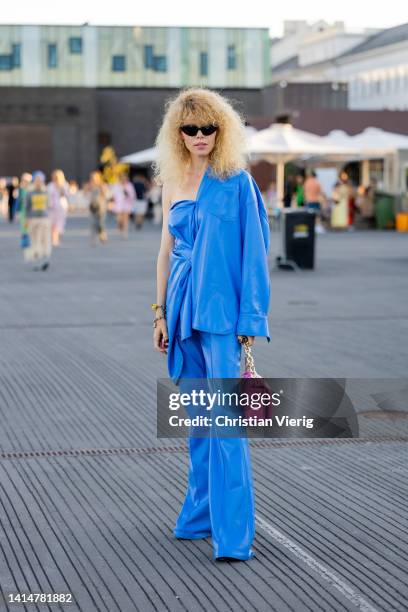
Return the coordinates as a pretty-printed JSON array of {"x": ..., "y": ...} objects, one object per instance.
[{"x": 356, "y": 14}]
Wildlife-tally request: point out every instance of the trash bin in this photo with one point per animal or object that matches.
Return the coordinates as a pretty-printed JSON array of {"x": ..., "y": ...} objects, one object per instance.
[
  {"x": 401, "y": 222},
  {"x": 298, "y": 239},
  {"x": 384, "y": 210}
]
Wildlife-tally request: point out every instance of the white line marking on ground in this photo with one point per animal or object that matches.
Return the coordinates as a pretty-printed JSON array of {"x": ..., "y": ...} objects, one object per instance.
[{"x": 324, "y": 572}]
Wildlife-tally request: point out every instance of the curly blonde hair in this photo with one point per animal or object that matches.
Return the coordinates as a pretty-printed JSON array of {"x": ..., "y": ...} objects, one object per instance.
[{"x": 205, "y": 106}]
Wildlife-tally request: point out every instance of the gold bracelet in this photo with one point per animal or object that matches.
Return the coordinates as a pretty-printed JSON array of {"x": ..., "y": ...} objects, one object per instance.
[{"x": 156, "y": 306}]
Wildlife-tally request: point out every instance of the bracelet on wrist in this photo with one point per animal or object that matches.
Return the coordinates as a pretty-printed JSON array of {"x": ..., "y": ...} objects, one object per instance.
[
  {"x": 157, "y": 306},
  {"x": 157, "y": 319}
]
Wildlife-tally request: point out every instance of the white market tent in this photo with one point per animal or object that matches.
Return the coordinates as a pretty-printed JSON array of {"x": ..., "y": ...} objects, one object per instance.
[
  {"x": 369, "y": 144},
  {"x": 147, "y": 156},
  {"x": 141, "y": 158},
  {"x": 281, "y": 142},
  {"x": 374, "y": 141}
]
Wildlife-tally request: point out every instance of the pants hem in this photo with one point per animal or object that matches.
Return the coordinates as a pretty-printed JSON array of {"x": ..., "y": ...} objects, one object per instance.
[
  {"x": 191, "y": 536},
  {"x": 234, "y": 555}
]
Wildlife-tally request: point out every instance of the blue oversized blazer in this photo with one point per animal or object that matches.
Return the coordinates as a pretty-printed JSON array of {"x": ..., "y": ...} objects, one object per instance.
[{"x": 219, "y": 276}]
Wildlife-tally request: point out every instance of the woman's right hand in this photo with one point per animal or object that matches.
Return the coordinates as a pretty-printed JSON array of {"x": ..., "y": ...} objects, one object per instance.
[{"x": 160, "y": 336}]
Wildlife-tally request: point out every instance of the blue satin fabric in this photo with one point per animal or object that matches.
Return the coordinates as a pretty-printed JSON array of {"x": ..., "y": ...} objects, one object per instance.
[
  {"x": 219, "y": 277},
  {"x": 219, "y": 501},
  {"x": 218, "y": 288}
]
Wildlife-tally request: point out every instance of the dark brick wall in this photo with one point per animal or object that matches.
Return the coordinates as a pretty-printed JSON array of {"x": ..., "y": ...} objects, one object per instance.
[
  {"x": 279, "y": 100},
  {"x": 70, "y": 115}
]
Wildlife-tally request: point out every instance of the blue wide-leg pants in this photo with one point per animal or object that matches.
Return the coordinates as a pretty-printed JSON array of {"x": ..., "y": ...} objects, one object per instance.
[{"x": 219, "y": 501}]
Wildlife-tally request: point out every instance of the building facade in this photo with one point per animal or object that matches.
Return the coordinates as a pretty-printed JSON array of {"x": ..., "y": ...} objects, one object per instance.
[
  {"x": 67, "y": 91},
  {"x": 373, "y": 64},
  {"x": 99, "y": 56}
]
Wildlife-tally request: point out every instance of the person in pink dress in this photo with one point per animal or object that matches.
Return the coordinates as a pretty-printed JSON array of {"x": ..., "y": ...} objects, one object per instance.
[
  {"x": 124, "y": 197},
  {"x": 58, "y": 198}
]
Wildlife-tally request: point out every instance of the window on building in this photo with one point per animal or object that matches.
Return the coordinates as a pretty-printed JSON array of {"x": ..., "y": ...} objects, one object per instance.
[
  {"x": 6, "y": 62},
  {"x": 231, "y": 58},
  {"x": 75, "y": 45},
  {"x": 16, "y": 55},
  {"x": 203, "y": 63},
  {"x": 159, "y": 63},
  {"x": 118, "y": 63},
  {"x": 52, "y": 59},
  {"x": 148, "y": 56}
]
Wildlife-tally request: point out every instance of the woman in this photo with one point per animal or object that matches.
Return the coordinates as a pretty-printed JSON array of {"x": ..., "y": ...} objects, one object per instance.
[
  {"x": 339, "y": 218},
  {"x": 58, "y": 201},
  {"x": 124, "y": 197},
  {"x": 25, "y": 181},
  {"x": 154, "y": 195},
  {"x": 140, "y": 183},
  {"x": 97, "y": 193},
  {"x": 212, "y": 289}
]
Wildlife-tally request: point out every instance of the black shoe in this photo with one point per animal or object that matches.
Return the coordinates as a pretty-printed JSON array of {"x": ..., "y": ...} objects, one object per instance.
[{"x": 45, "y": 265}]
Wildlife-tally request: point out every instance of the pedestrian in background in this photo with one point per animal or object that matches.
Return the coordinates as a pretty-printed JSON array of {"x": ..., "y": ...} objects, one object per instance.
[
  {"x": 97, "y": 193},
  {"x": 73, "y": 196},
  {"x": 39, "y": 226},
  {"x": 25, "y": 181},
  {"x": 154, "y": 196},
  {"x": 12, "y": 189},
  {"x": 365, "y": 206},
  {"x": 271, "y": 198},
  {"x": 300, "y": 190},
  {"x": 140, "y": 184},
  {"x": 289, "y": 190},
  {"x": 124, "y": 197},
  {"x": 340, "y": 208},
  {"x": 352, "y": 207},
  {"x": 58, "y": 197},
  {"x": 312, "y": 192},
  {"x": 312, "y": 197},
  {"x": 3, "y": 197}
]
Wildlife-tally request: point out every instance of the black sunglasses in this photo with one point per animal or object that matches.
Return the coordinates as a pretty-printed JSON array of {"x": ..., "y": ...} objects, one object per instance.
[{"x": 192, "y": 130}]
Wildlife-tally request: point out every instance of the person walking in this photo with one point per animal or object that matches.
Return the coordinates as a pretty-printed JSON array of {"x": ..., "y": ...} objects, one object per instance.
[
  {"x": 312, "y": 197},
  {"x": 58, "y": 197},
  {"x": 212, "y": 294},
  {"x": 154, "y": 195},
  {"x": 12, "y": 189},
  {"x": 300, "y": 190},
  {"x": 38, "y": 221},
  {"x": 25, "y": 181},
  {"x": 339, "y": 218},
  {"x": 140, "y": 184},
  {"x": 124, "y": 197},
  {"x": 3, "y": 197},
  {"x": 289, "y": 191},
  {"x": 97, "y": 193}
]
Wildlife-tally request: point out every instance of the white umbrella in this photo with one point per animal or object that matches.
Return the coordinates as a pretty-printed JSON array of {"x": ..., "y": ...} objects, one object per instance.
[
  {"x": 147, "y": 156},
  {"x": 376, "y": 142},
  {"x": 281, "y": 142},
  {"x": 141, "y": 158},
  {"x": 368, "y": 144}
]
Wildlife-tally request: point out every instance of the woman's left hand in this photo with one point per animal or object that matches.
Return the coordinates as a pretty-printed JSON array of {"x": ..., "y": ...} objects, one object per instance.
[{"x": 250, "y": 339}]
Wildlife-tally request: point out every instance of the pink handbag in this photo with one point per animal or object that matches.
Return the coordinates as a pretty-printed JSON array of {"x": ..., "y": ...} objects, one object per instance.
[{"x": 252, "y": 383}]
